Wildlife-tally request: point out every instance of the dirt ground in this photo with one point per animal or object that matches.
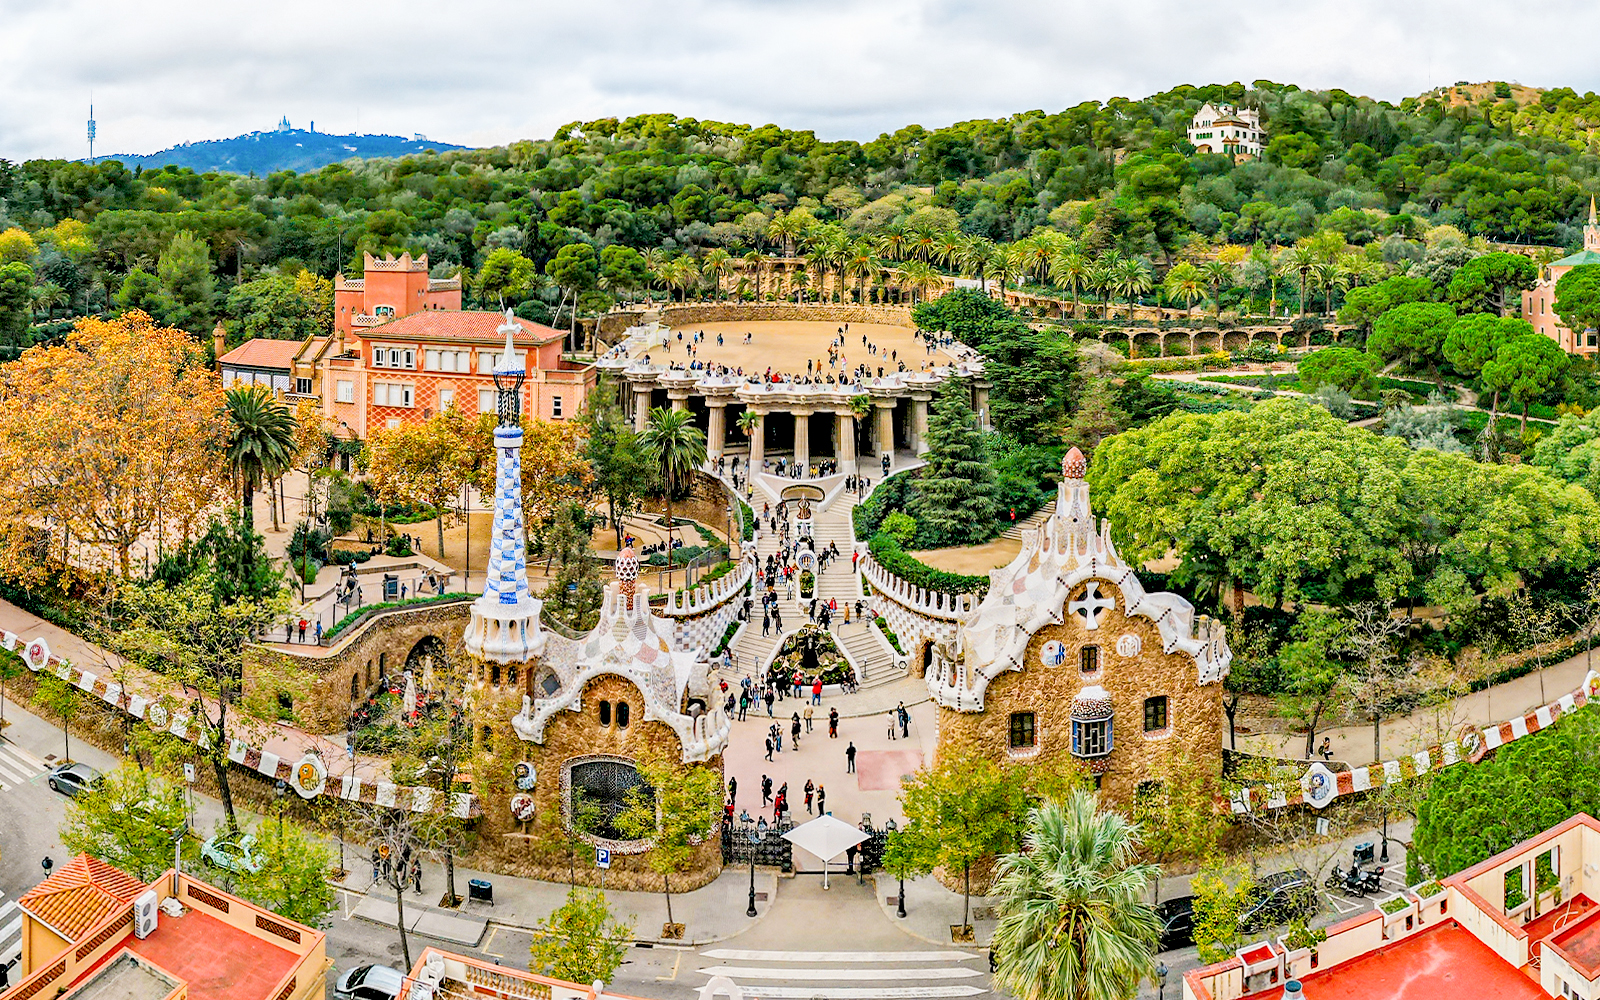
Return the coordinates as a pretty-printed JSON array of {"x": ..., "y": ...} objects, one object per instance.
[
  {"x": 973, "y": 560},
  {"x": 786, "y": 346}
]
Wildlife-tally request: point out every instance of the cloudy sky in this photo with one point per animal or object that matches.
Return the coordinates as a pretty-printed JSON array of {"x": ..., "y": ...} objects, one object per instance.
[{"x": 482, "y": 73}]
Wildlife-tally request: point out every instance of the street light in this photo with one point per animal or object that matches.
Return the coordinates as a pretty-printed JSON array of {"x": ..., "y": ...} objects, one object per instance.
[
  {"x": 278, "y": 790},
  {"x": 1161, "y": 981},
  {"x": 47, "y": 864},
  {"x": 755, "y": 837},
  {"x": 890, "y": 826},
  {"x": 1383, "y": 854}
]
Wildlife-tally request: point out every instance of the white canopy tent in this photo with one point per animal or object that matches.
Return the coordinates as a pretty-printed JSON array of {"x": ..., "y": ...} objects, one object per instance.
[{"x": 827, "y": 838}]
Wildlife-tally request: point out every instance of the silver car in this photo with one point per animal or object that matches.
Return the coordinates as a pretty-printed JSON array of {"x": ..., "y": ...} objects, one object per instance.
[{"x": 70, "y": 779}]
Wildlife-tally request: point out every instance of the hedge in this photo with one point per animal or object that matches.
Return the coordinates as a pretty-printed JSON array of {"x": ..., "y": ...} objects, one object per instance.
[
  {"x": 894, "y": 559},
  {"x": 354, "y": 616},
  {"x": 1205, "y": 362}
]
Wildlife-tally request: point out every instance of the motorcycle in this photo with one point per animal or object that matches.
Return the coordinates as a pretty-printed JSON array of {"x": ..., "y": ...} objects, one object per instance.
[
  {"x": 1355, "y": 882},
  {"x": 1372, "y": 880},
  {"x": 1335, "y": 879}
]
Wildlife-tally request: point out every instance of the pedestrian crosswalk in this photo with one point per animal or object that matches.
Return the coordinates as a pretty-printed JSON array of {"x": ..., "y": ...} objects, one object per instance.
[
  {"x": 17, "y": 766},
  {"x": 850, "y": 975},
  {"x": 10, "y": 933}
]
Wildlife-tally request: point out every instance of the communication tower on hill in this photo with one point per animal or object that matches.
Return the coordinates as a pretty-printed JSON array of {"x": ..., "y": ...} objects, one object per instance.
[{"x": 91, "y": 130}]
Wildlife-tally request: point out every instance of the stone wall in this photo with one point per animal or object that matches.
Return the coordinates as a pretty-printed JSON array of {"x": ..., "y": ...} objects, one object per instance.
[
  {"x": 534, "y": 848},
  {"x": 1195, "y": 721},
  {"x": 378, "y": 647},
  {"x": 683, "y": 316},
  {"x": 916, "y": 631}
]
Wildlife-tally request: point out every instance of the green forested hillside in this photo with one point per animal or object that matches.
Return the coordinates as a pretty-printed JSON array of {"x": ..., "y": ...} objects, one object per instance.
[{"x": 1114, "y": 178}]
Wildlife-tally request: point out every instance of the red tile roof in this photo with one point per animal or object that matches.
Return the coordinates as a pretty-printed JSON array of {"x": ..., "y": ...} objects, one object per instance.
[
  {"x": 263, "y": 353},
  {"x": 474, "y": 325},
  {"x": 1444, "y": 961},
  {"x": 81, "y": 894}
]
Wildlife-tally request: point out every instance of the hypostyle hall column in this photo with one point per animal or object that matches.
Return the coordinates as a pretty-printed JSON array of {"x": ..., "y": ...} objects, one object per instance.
[
  {"x": 919, "y": 424},
  {"x": 716, "y": 438},
  {"x": 884, "y": 438},
  {"x": 802, "y": 440},
  {"x": 758, "y": 440},
  {"x": 641, "y": 408},
  {"x": 847, "y": 441},
  {"x": 680, "y": 400}
]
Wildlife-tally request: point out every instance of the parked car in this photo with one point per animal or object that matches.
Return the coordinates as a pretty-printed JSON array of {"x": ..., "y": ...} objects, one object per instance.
[
  {"x": 369, "y": 982},
  {"x": 1177, "y": 922},
  {"x": 236, "y": 854},
  {"x": 70, "y": 779},
  {"x": 1279, "y": 898}
]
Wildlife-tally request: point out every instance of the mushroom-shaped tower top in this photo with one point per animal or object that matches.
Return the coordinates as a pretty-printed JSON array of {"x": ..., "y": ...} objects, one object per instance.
[{"x": 1073, "y": 464}]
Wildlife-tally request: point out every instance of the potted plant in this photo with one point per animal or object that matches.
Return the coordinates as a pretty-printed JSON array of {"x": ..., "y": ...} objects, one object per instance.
[
  {"x": 1395, "y": 908},
  {"x": 1428, "y": 893}
]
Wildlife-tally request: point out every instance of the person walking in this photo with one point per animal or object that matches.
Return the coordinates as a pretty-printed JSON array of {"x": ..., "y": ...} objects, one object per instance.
[
  {"x": 744, "y": 704},
  {"x": 822, "y": 801},
  {"x": 892, "y": 724},
  {"x": 811, "y": 791},
  {"x": 303, "y": 630},
  {"x": 769, "y": 748},
  {"x": 766, "y": 790},
  {"x": 850, "y": 759},
  {"x": 768, "y": 699},
  {"x": 794, "y": 730},
  {"x": 733, "y": 790},
  {"x": 816, "y": 690},
  {"x": 377, "y": 866},
  {"x": 808, "y": 718},
  {"x": 766, "y": 624},
  {"x": 833, "y": 723},
  {"x": 416, "y": 874},
  {"x": 905, "y": 720}
]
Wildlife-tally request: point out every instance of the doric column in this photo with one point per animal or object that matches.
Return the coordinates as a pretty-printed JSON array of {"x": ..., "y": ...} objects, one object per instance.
[
  {"x": 802, "y": 439},
  {"x": 919, "y": 424},
  {"x": 680, "y": 400},
  {"x": 717, "y": 436},
  {"x": 641, "y": 407},
  {"x": 884, "y": 437},
  {"x": 846, "y": 424},
  {"x": 758, "y": 439}
]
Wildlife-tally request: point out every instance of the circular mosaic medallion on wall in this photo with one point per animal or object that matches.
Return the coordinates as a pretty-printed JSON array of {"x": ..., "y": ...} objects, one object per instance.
[
  {"x": 37, "y": 655},
  {"x": 1053, "y": 653},
  {"x": 156, "y": 715},
  {"x": 522, "y": 806},
  {"x": 1129, "y": 645},
  {"x": 525, "y": 775},
  {"x": 309, "y": 777}
]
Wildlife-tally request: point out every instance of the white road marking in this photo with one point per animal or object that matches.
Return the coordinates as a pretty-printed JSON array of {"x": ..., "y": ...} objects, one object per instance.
[
  {"x": 26, "y": 757},
  {"x": 10, "y": 770},
  {"x": 838, "y": 975},
  {"x": 879, "y": 993},
  {"x": 736, "y": 955}
]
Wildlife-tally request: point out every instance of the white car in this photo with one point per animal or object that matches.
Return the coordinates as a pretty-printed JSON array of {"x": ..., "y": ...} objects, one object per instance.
[{"x": 369, "y": 982}]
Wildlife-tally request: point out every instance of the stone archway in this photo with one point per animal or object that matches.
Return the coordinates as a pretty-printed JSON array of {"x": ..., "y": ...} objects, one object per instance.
[{"x": 426, "y": 654}]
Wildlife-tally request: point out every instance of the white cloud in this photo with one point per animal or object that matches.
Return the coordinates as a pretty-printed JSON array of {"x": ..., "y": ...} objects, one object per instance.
[{"x": 167, "y": 71}]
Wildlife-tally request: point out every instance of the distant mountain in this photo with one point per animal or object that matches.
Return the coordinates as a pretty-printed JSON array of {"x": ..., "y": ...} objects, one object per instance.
[{"x": 283, "y": 149}]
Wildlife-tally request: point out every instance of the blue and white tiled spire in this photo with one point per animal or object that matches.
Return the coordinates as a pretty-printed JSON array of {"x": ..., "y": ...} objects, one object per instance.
[{"x": 505, "y": 618}]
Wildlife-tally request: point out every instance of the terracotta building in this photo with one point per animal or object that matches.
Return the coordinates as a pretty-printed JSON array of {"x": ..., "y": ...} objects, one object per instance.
[
  {"x": 90, "y": 930},
  {"x": 1068, "y": 658},
  {"x": 403, "y": 350},
  {"x": 1538, "y": 302}
]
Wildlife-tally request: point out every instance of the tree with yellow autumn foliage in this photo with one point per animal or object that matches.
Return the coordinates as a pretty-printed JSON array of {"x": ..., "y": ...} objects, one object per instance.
[
  {"x": 423, "y": 464},
  {"x": 112, "y": 437}
]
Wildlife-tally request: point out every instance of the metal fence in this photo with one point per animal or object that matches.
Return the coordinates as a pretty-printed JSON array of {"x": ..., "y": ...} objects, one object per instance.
[{"x": 772, "y": 851}]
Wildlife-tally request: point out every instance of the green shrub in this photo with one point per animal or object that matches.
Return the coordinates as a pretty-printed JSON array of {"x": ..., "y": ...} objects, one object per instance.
[
  {"x": 398, "y": 546},
  {"x": 888, "y": 633},
  {"x": 889, "y": 554},
  {"x": 900, "y": 526},
  {"x": 351, "y": 618}
]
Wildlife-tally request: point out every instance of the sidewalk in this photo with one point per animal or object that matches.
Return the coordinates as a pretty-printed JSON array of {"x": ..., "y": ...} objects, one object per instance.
[{"x": 713, "y": 912}]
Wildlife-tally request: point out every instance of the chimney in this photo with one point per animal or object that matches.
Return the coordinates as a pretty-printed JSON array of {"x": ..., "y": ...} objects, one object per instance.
[{"x": 219, "y": 343}]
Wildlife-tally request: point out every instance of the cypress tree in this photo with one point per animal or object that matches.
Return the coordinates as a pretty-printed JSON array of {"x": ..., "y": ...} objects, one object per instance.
[{"x": 954, "y": 500}]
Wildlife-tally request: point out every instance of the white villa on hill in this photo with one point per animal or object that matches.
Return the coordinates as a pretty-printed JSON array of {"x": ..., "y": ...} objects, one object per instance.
[{"x": 1223, "y": 128}]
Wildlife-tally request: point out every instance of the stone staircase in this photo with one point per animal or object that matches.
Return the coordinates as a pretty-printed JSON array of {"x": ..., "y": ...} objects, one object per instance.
[
  {"x": 831, "y": 524},
  {"x": 1031, "y": 522}
]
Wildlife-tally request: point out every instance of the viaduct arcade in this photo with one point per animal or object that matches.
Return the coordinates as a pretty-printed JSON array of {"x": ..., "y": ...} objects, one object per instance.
[{"x": 795, "y": 420}]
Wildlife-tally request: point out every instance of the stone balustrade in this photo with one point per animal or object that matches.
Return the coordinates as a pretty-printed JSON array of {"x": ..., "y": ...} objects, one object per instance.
[
  {"x": 362, "y": 319},
  {"x": 932, "y": 603},
  {"x": 687, "y": 603}
]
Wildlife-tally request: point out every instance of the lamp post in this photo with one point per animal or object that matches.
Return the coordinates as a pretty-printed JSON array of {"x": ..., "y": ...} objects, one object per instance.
[
  {"x": 890, "y": 826},
  {"x": 278, "y": 791},
  {"x": 1161, "y": 981},
  {"x": 1383, "y": 855},
  {"x": 755, "y": 837}
]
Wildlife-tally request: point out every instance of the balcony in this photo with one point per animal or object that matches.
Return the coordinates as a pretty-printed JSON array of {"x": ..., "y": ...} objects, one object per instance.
[{"x": 363, "y": 320}]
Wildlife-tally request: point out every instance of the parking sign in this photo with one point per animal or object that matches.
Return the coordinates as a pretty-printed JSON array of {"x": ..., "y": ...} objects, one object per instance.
[{"x": 602, "y": 857}]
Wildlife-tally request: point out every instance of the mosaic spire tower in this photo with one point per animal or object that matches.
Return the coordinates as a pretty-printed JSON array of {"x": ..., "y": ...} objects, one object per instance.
[{"x": 505, "y": 618}]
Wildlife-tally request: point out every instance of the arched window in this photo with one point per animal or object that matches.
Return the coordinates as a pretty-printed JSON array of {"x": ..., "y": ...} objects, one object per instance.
[
  {"x": 622, "y": 714},
  {"x": 511, "y": 676},
  {"x": 488, "y": 739},
  {"x": 494, "y": 674},
  {"x": 383, "y": 670},
  {"x": 605, "y": 713}
]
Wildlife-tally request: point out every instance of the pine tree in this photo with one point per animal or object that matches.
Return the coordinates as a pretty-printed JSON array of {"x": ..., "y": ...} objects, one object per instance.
[{"x": 954, "y": 501}]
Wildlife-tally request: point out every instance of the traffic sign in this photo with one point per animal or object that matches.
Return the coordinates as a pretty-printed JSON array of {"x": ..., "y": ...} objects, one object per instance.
[{"x": 602, "y": 857}]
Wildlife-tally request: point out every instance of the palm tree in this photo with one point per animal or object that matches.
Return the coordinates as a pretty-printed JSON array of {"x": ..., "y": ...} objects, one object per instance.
[
  {"x": 1300, "y": 259},
  {"x": 49, "y": 296},
  {"x": 1038, "y": 250},
  {"x": 1069, "y": 267},
  {"x": 752, "y": 260},
  {"x": 1219, "y": 275},
  {"x": 717, "y": 263},
  {"x": 975, "y": 259},
  {"x": 788, "y": 229},
  {"x": 1133, "y": 279},
  {"x": 678, "y": 448},
  {"x": 1009, "y": 264},
  {"x": 1185, "y": 283},
  {"x": 1330, "y": 277},
  {"x": 1073, "y": 921},
  {"x": 919, "y": 277},
  {"x": 921, "y": 238},
  {"x": 748, "y": 421},
  {"x": 260, "y": 442},
  {"x": 863, "y": 264}
]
